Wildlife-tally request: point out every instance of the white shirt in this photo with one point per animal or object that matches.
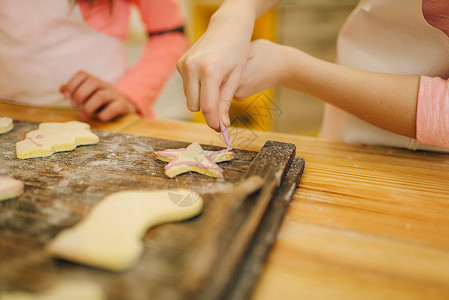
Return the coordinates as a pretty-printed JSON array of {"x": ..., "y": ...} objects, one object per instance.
[
  {"x": 43, "y": 43},
  {"x": 389, "y": 37}
]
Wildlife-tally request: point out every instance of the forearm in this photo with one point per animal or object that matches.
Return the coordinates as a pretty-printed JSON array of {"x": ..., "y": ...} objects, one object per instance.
[
  {"x": 256, "y": 7},
  {"x": 385, "y": 100},
  {"x": 240, "y": 15}
]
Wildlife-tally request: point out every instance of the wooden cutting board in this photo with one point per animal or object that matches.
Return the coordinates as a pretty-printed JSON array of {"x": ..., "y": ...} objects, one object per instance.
[{"x": 61, "y": 189}]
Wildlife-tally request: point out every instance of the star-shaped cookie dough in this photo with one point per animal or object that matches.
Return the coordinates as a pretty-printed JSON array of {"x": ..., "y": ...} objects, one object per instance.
[
  {"x": 110, "y": 236},
  {"x": 55, "y": 137},
  {"x": 193, "y": 158}
]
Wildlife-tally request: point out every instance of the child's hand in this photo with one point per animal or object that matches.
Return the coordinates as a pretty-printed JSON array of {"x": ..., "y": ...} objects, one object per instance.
[
  {"x": 264, "y": 70},
  {"x": 212, "y": 68},
  {"x": 95, "y": 96}
]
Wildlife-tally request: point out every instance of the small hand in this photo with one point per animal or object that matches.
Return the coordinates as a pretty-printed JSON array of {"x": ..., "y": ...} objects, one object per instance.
[
  {"x": 211, "y": 71},
  {"x": 264, "y": 69},
  {"x": 95, "y": 96}
]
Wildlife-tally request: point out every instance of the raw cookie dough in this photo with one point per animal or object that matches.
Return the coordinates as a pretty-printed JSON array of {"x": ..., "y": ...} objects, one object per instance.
[
  {"x": 72, "y": 290},
  {"x": 10, "y": 188},
  {"x": 193, "y": 158},
  {"x": 55, "y": 137},
  {"x": 6, "y": 124},
  {"x": 110, "y": 236}
]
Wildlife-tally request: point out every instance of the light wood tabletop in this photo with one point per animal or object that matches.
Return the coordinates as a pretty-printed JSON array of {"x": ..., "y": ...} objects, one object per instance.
[
  {"x": 39, "y": 114},
  {"x": 366, "y": 222}
]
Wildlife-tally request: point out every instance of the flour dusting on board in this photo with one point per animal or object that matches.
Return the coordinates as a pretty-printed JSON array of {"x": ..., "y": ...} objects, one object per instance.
[
  {"x": 61, "y": 189},
  {"x": 56, "y": 213},
  {"x": 217, "y": 188}
]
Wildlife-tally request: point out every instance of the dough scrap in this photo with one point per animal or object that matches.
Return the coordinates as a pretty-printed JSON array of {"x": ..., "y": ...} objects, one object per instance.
[
  {"x": 193, "y": 158},
  {"x": 109, "y": 237},
  {"x": 6, "y": 124},
  {"x": 71, "y": 290},
  {"x": 10, "y": 188},
  {"x": 55, "y": 137}
]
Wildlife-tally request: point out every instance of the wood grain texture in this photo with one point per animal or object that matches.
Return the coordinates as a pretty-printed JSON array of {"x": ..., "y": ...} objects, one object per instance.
[
  {"x": 61, "y": 189},
  {"x": 254, "y": 261},
  {"x": 236, "y": 230},
  {"x": 40, "y": 114},
  {"x": 367, "y": 222}
]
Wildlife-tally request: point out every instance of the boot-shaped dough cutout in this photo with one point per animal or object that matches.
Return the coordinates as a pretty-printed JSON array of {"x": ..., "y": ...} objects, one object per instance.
[
  {"x": 110, "y": 237},
  {"x": 72, "y": 290}
]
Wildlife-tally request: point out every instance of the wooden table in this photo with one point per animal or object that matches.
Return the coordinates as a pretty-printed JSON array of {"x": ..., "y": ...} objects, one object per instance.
[
  {"x": 38, "y": 114},
  {"x": 365, "y": 223}
]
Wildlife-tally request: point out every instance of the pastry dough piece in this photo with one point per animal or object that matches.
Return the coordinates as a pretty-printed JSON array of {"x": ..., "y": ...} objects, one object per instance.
[
  {"x": 110, "y": 236},
  {"x": 10, "y": 188},
  {"x": 72, "y": 290},
  {"x": 55, "y": 137},
  {"x": 193, "y": 158},
  {"x": 6, "y": 124}
]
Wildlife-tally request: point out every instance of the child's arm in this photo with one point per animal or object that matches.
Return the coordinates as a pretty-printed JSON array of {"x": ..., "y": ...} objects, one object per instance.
[
  {"x": 139, "y": 87},
  {"x": 385, "y": 100},
  {"x": 213, "y": 66},
  {"x": 408, "y": 105}
]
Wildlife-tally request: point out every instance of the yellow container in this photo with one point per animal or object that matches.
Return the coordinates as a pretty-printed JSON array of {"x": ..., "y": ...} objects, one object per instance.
[{"x": 256, "y": 112}]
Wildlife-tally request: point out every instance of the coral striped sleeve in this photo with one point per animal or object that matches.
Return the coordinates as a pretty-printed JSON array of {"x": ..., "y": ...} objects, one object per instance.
[{"x": 432, "y": 117}]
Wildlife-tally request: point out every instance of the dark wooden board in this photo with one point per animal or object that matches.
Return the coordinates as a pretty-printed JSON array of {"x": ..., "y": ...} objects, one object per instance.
[{"x": 61, "y": 189}]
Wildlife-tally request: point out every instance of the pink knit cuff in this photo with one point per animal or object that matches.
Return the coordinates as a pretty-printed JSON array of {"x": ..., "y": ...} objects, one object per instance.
[{"x": 432, "y": 116}]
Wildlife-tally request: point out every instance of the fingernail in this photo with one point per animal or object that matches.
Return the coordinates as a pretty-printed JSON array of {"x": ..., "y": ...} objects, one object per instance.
[{"x": 225, "y": 120}]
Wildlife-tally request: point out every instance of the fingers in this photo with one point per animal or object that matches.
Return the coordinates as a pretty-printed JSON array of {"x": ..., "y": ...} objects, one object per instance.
[
  {"x": 201, "y": 87},
  {"x": 80, "y": 87},
  {"x": 223, "y": 110},
  {"x": 187, "y": 68},
  {"x": 114, "y": 109},
  {"x": 210, "y": 95},
  {"x": 227, "y": 92},
  {"x": 191, "y": 90},
  {"x": 72, "y": 85},
  {"x": 97, "y": 102},
  {"x": 106, "y": 105},
  {"x": 95, "y": 96}
]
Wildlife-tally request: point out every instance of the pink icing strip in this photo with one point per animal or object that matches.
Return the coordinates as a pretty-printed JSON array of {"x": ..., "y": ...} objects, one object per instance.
[
  {"x": 37, "y": 144},
  {"x": 39, "y": 136},
  {"x": 175, "y": 163},
  {"x": 165, "y": 154},
  {"x": 225, "y": 133},
  {"x": 216, "y": 153}
]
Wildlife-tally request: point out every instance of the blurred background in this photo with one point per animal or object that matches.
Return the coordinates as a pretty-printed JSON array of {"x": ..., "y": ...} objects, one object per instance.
[{"x": 310, "y": 25}]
